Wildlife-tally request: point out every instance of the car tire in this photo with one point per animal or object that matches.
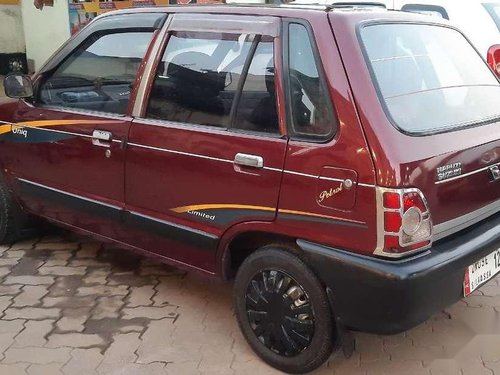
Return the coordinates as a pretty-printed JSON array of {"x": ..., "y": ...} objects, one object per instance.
[
  {"x": 283, "y": 310},
  {"x": 13, "y": 221}
]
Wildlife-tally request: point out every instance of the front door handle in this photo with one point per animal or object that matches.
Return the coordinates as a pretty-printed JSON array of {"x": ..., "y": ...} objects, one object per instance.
[
  {"x": 247, "y": 160},
  {"x": 102, "y": 138}
]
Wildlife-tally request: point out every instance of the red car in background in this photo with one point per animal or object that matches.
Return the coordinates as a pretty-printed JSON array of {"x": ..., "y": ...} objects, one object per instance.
[{"x": 343, "y": 166}]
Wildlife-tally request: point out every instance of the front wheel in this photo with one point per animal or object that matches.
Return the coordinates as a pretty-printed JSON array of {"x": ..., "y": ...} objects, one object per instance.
[{"x": 283, "y": 311}]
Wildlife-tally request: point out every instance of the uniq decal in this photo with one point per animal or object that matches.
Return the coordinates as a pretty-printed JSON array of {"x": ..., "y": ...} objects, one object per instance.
[
  {"x": 448, "y": 171},
  {"x": 20, "y": 131}
]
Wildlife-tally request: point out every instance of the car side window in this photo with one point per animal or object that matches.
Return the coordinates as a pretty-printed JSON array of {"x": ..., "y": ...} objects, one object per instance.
[
  {"x": 216, "y": 79},
  {"x": 311, "y": 109},
  {"x": 257, "y": 107},
  {"x": 99, "y": 74}
]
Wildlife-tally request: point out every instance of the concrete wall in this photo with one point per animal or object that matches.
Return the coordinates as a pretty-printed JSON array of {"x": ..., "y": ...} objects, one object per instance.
[
  {"x": 44, "y": 30},
  {"x": 11, "y": 29}
]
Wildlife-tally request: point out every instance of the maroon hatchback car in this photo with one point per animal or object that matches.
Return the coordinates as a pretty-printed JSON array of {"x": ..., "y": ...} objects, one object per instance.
[{"x": 343, "y": 165}]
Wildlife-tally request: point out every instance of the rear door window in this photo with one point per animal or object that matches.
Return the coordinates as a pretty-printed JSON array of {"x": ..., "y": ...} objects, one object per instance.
[
  {"x": 429, "y": 78},
  {"x": 217, "y": 79}
]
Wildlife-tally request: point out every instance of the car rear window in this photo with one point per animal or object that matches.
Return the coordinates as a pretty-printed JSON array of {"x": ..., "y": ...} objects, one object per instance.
[
  {"x": 429, "y": 77},
  {"x": 494, "y": 11}
]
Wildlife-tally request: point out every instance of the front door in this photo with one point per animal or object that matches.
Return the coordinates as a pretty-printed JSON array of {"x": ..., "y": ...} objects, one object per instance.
[
  {"x": 208, "y": 150},
  {"x": 67, "y": 154}
]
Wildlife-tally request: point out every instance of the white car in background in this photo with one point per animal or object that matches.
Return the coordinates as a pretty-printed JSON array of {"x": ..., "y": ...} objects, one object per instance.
[{"x": 479, "y": 20}]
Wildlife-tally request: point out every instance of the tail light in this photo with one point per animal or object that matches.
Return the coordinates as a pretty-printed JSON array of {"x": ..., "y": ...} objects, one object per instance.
[
  {"x": 404, "y": 222},
  {"x": 494, "y": 59}
]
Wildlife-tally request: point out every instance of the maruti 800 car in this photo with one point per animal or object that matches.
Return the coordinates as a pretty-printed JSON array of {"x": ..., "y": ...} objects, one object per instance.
[{"x": 342, "y": 165}]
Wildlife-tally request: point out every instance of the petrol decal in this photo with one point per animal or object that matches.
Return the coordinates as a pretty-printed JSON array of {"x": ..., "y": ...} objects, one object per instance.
[{"x": 326, "y": 194}]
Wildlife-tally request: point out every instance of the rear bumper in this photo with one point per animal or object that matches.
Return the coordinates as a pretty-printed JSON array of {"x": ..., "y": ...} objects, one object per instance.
[{"x": 387, "y": 297}]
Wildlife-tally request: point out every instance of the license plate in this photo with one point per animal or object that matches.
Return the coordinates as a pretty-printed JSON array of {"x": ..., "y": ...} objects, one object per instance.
[{"x": 480, "y": 272}]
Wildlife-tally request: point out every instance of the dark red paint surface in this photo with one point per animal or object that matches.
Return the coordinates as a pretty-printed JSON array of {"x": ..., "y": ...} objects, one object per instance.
[{"x": 198, "y": 170}]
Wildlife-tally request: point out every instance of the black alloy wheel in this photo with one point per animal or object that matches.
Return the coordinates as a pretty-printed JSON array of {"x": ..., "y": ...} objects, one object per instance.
[{"x": 283, "y": 310}]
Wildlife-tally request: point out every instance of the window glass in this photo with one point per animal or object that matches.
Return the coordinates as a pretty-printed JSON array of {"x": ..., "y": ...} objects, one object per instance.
[
  {"x": 494, "y": 11},
  {"x": 312, "y": 114},
  {"x": 257, "y": 109},
  {"x": 430, "y": 77},
  {"x": 198, "y": 78},
  {"x": 99, "y": 74}
]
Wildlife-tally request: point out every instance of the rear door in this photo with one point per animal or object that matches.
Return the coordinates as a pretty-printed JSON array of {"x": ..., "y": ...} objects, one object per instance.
[
  {"x": 66, "y": 150},
  {"x": 208, "y": 149}
]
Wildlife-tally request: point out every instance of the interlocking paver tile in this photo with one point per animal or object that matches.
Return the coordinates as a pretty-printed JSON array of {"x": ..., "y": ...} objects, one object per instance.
[
  {"x": 30, "y": 295},
  {"x": 4, "y": 271},
  {"x": 14, "y": 369},
  {"x": 74, "y": 340},
  {"x": 8, "y": 261},
  {"x": 62, "y": 270},
  {"x": 120, "y": 353},
  {"x": 75, "y": 324},
  {"x": 14, "y": 326},
  {"x": 35, "y": 313},
  {"x": 140, "y": 296},
  {"x": 149, "y": 312},
  {"x": 29, "y": 280},
  {"x": 37, "y": 355},
  {"x": 108, "y": 307},
  {"x": 34, "y": 333},
  {"x": 83, "y": 361},
  {"x": 103, "y": 290},
  {"x": 49, "y": 369}
]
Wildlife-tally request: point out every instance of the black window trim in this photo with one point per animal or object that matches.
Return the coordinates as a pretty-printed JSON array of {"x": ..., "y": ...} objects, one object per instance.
[
  {"x": 287, "y": 86},
  {"x": 234, "y": 106},
  {"x": 364, "y": 24},
  {"x": 426, "y": 7}
]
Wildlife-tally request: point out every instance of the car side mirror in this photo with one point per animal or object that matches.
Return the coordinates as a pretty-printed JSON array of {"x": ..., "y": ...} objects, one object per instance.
[
  {"x": 494, "y": 59},
  {"x": 18, "y": 86}
]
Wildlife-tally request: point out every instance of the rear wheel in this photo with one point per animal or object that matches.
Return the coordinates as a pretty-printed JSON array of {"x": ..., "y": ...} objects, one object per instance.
[{"x": 283, "y": 311}]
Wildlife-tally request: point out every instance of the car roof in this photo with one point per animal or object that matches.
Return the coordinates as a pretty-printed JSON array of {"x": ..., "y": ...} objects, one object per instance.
[{"x": 288, "y": 10}]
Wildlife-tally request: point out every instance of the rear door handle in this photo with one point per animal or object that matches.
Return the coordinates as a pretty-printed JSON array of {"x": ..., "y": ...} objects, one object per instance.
[
  {"x": 247, "y": 160},
  {"x": 102, "y": 138}
]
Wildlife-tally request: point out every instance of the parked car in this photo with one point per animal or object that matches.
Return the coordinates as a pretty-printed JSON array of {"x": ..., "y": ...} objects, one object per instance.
[
  {"x": 478, "y": 19},
  {"x": 342, "y": 166}
]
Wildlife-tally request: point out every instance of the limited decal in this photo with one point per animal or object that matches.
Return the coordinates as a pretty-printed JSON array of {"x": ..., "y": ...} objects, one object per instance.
[
  {"x": 227, "y": 213},
  {"x": 325, "y": 194},
  {"x": 201, "y": 214},
  {"x": 448, "y": 171}
]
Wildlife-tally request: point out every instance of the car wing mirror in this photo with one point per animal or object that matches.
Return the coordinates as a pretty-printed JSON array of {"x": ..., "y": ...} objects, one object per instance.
[
  {"x": 18, "y": 86},
  {"x": 494, "y": 59}
]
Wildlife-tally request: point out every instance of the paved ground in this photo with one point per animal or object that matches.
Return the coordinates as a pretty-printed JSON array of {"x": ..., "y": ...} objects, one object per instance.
[{"x": 70, "y": 305}]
